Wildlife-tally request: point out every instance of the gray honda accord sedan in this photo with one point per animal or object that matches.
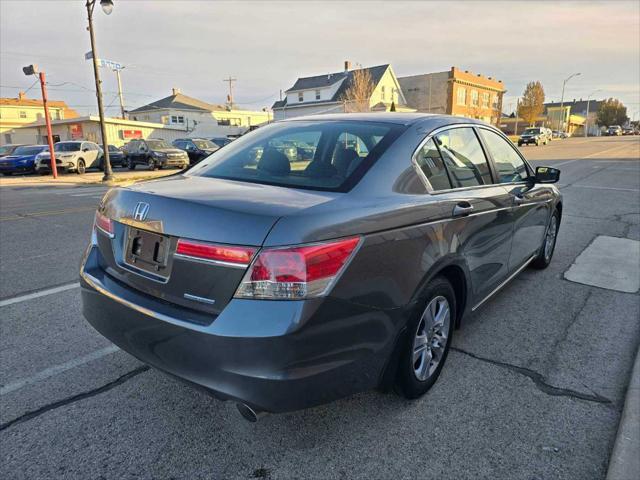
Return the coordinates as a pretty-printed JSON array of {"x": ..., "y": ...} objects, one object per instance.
[{"x": 318, "y": 257}]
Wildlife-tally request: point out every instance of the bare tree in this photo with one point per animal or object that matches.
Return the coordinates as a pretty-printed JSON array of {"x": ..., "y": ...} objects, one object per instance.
[
  {"x": 358, "y": 95},
  {"x": 532, "y": 102}
]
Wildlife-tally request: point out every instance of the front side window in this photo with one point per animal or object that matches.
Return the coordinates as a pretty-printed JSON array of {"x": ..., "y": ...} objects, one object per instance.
[
  {"x": 511, "y": 168},
  {"x": 463, "y": 157},
  {"x": 461, "y": 96},
  {"x": 430, "y": 162},
  {"x": 313, "y": 155}
]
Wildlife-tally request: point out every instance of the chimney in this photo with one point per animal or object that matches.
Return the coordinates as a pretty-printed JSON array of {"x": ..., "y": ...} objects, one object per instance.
[
  {"x": 22, "y": 95},
  {"x": 175, "y": 91},
  {"x": 347, "y": 65}
]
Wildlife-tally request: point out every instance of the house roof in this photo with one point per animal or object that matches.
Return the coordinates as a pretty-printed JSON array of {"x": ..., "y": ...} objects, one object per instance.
[
  {"x": 577, "y": 106},
  {"x": 180, "y": 102},
  {"x": 319, "y": 81},
  {"x": 28, "y": 102}
]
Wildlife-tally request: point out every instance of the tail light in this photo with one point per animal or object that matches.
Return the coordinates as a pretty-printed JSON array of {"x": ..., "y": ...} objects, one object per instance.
[
  {"x": 296, "y": 272},
  {"x": 234, "y": 256},
  {"x": 105, "y": 224}
]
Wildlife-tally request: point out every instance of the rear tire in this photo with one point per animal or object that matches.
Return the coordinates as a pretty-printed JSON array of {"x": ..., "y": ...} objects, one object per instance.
[
  {"x": 427, "y": 341},
  {"x": 548, "y": 244},
  {"x": 131, "y": 164},
  {"x": 81, "y": 168}
]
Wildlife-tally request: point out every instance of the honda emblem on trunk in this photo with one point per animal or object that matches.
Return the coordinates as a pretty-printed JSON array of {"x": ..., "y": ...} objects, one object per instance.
[{"x": 141, "y": 211}]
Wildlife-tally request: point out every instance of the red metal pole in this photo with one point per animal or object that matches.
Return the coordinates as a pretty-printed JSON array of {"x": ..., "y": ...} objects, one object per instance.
[{"x": 52, "y": 155}]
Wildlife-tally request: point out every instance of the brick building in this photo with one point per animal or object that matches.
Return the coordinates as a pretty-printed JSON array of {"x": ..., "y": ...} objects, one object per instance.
[{"x": 455, "y": 92}]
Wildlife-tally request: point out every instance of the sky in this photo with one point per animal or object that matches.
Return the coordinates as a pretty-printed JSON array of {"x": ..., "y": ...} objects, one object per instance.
[{"x": 266, "y": 45}]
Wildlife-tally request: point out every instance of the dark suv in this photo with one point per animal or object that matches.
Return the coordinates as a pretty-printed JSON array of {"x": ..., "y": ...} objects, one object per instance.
[
  {"x": 154, "y": 153},
  {"x": 196, "y": 148}
]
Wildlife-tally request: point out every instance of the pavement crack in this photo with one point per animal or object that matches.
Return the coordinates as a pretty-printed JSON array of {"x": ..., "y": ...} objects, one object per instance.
[
  {"x": 539, "y": 380},
  {"x": 74, "y": 398}
]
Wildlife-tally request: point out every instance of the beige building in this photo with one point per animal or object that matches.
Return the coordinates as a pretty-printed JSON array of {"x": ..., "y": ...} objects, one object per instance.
[
  {"x": 325, "y": 93},
  {"x": 198, "y": 118},
  {"x": 15, "y": 113},
  {"x": 119, "y": 131},
  {"x": 455, "y": 92}
]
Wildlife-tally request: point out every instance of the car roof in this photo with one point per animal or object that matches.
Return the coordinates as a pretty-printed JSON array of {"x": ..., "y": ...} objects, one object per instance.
[{"x": 387, "y": 117}]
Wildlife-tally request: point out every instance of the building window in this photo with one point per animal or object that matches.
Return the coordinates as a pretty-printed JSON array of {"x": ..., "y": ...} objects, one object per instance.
[
  {"x": 474, "y": 98},
  {"x": 496, "y": 102},
  {"x": 23, "y": 114},
  {"x": 485, "y": 99},
  {"x": 461, "y": 96},
  {"x": 177, "y": 119},
  {"x": 301, "y": 96},
  {"x": 317, "y": 94}
]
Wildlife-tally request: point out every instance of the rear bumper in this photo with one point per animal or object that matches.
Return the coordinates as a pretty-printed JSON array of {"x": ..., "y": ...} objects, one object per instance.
[{"x": 275, "y": 356}]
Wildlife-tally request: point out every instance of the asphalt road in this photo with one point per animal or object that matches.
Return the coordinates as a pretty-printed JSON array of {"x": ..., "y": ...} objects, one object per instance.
[{"x": 533, "y": 389}]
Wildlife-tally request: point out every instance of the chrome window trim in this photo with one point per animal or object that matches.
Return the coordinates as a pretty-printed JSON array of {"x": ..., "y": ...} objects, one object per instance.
[{"x": 438, "y": 130}]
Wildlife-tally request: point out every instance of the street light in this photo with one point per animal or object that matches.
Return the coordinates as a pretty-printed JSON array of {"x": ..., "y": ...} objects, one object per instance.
[
  {"x": 561, "y": 119},
  {"x": 107, "y": 7},
  {"x": 586, "y": 120}
]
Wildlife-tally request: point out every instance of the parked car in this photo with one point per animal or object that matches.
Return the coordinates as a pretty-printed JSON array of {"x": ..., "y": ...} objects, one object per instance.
[
  {"x": 221, "y": 141},
  {"x": 71, "y": 156},
  {"x": 613, "y": 131},
  {"x": 196, "y": 148},
  {"x": 22, "y": 160},
  {"x": 154, "y": 153},
  {"x": 117, "y": 158},
  {"x": 9, "y": 148},
  {"x": 534, "y": 135},
  {"x": 628, "y": 131},
  {"x": 282, "y": 289}
]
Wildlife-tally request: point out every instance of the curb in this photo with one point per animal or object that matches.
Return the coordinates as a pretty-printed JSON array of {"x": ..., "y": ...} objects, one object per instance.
[
  {"x": 121, "y": 181},
  {"x": 624, "y": 463}
]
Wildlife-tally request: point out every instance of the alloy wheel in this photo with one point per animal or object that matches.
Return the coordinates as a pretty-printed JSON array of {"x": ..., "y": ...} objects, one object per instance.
[
  {"x": 550, "y": 239},
  {"x": 430, "y": 338}
]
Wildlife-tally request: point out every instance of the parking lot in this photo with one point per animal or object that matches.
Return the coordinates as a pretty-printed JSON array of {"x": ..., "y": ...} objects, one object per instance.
[{"x": 533, "y": 388}]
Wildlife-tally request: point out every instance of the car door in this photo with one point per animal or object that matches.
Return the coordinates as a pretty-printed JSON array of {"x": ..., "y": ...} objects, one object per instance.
[
  {"x": 141, "y": 153},
  {"x": 478, "y": 225},
  {"x": 530, "y": 204}
]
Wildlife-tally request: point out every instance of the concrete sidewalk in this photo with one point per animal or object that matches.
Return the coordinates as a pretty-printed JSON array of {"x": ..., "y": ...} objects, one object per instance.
[
  {"x": 120, "y": 177},
  {"x": 624, "y": 463}
]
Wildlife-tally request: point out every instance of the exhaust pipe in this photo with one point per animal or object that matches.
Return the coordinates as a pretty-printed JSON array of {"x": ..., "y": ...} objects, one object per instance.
[{"x": 249, "y": 413}]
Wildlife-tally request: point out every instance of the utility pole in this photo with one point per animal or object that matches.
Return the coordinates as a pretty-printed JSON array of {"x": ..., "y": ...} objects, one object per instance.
[
  {"x": 561, "y": 118},
  {"x": 515, "y": 132},
  {"x": 117, "y": 70},
  {"x": 45, "y": 99},
  {"x": 108, "y": 175},
  {"x": 230, "y": 80}
]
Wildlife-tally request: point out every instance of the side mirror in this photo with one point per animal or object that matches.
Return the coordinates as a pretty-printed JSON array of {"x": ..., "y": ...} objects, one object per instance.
[{"x": 547, "y": 175}]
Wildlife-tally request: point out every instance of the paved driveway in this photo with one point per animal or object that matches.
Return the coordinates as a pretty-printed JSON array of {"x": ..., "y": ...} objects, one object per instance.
[{"x": 532, "y": 390}]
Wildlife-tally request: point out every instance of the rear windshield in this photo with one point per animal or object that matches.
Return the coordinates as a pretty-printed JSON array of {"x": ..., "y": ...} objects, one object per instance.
[
  {"x": 320, "y": 155},
  {"x": 28, "y": 150}
]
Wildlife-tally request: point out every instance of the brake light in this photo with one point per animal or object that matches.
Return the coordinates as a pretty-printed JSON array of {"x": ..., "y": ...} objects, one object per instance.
[
  {"x": 104, "y": 223},
  {"x": 218, "y": 253},
  {"x": 294, "y": 273}
]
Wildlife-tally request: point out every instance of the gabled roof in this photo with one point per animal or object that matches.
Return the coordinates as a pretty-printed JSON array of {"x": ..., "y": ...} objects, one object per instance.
[
  {"x": 577, "y": 106},
  {"x": 319, "y": 81},
  {"x": 180, "y": 102},
  {"x": 28, "y": 102}
]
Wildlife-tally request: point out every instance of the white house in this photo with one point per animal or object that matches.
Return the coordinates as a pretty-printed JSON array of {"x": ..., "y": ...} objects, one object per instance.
[
  {"x": 200, "y": 119},
  {"x": 324, "y": 93}
]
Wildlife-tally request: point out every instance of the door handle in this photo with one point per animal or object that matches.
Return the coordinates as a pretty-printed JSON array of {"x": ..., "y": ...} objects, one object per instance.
[
  {"x": 518, "y": 200},
  {"x": 462, "y": 208}
]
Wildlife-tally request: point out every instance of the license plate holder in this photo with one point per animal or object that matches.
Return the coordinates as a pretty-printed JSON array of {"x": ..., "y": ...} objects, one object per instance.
[{"x": 147, "y": 251}]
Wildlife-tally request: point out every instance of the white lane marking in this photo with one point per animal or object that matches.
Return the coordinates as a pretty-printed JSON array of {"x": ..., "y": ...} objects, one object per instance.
[
  {"x": 57, "y": 369},
  {"x": 607, "y": 188},
  {"x": 562, "y": 163},
  {"x": 41, "y": 293}
]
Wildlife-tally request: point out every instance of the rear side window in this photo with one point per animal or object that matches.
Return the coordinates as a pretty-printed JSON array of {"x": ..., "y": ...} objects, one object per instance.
[
  {"x": 321, "y": 155},
  {"x": 463, "y": 158},
  {"x": 431, "y": 164},
  {"x": 511, "y": 168}
]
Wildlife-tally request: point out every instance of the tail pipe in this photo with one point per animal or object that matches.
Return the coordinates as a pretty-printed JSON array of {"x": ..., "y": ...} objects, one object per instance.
[{"x": 249, "y": 413}]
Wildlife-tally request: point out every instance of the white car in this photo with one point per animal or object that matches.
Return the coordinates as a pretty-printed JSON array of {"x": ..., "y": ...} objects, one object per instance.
[{"x": 70, "y": 156}]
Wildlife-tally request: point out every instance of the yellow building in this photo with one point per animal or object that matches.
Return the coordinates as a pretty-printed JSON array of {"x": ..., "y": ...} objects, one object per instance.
[{"x": 22, "y": 111}]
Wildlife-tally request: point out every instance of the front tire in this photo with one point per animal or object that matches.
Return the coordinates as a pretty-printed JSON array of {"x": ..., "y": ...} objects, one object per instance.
[
  {"x": 549, "y": 243},
  {"x": 131, "y": 165},
  {"x": 427, "y": 341},
  {"x": 151, "y": 165},
  {"x": 81, "y": 168}
]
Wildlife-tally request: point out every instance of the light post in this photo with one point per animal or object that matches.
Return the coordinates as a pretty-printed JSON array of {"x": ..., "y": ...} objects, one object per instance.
[
  {"x": 586, "y": 120},
  {"x": 107, "y": 7},
  {"x": 561, "y": 120}
]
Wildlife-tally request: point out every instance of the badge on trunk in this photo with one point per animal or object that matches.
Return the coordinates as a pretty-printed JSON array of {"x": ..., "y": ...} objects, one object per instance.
[{"x": 141, "y": 211}]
